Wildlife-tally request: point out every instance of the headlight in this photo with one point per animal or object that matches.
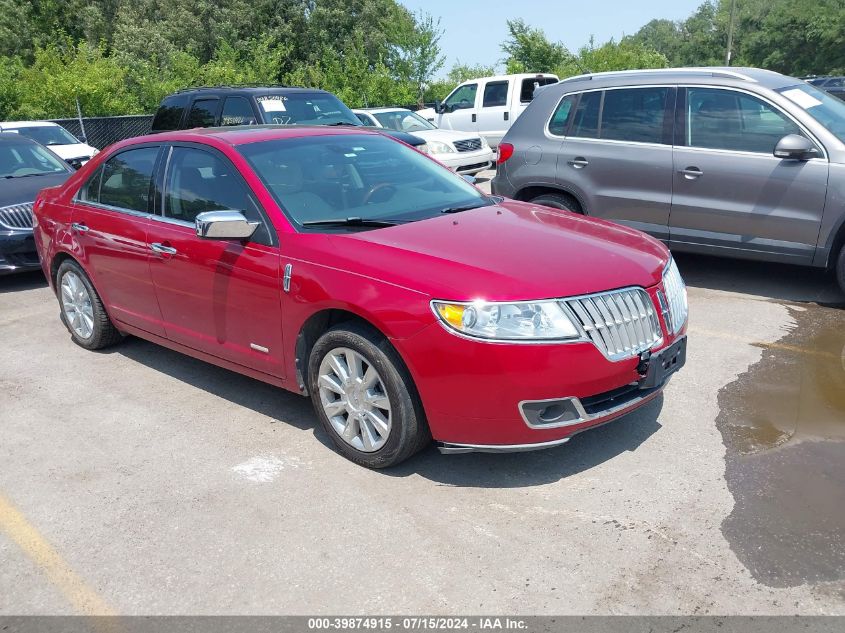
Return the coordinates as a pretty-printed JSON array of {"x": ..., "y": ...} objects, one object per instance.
[
  {"x": 423, "y": 148},
  {"x": 677, "y": 310},
  {"x": 522, "y": 321},
  {"x": 436, "y": 147}
]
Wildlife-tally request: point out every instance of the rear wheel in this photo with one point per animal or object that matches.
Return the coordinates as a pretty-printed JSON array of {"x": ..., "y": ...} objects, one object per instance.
[
  {"x": 558, "y": 201},
  {"x": 365, "y": 398},
  {"x": 840, "y": 268},
  {"x": 82, "y": 310}
]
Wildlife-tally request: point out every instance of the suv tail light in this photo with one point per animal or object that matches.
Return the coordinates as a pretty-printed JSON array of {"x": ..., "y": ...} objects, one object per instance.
[{"x": 505, "y": 151}]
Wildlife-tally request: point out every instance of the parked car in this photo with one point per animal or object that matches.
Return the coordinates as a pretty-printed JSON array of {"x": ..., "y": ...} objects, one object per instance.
[
  {"x": 61, "y": 142},
  {"x": 831, "y": 85},
  {"x": 487, "y": 106},
  {"x": 340, "y": 264},
  {"x": 25, "y": 168},
  {"x": 223, "y": 106},
  {"x": 459, "y": 151},
  {"x": 739, "y": 162}
]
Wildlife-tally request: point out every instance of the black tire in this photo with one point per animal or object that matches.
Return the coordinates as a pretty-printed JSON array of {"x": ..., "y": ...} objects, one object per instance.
[
  {"x": 409, "y": 431},
  {"x": 103, "y": 332},
  {"x": 561, "y": 201},
  {"x": 840, "y": 268}
]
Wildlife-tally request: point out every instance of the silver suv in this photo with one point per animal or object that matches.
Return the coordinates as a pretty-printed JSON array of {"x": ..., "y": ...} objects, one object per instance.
[{"x": 739, "y": 162}]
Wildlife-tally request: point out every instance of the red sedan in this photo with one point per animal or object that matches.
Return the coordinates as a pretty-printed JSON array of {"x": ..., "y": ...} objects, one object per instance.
[{"x": 346, "y": 266}]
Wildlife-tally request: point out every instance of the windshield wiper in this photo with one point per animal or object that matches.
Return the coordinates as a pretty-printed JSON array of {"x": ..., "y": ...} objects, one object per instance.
[
  {"x": 353, "y": 221},
  {"x": 341, "y": 123},
  {"x": 28, "y": 175},
  {"x": 487, "y": 201}
]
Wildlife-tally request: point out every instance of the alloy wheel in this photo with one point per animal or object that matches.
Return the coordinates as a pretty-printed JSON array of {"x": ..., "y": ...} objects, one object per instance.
[
  {"x": 354, "y": 399},
  {"x": 76, "y": 304}
]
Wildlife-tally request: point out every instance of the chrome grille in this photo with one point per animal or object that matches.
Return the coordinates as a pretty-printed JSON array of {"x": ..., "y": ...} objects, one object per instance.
[
  {"x": 621, "y": 323},
  {"x": 17, "y": 216},
  {"x": 676, "y": 298},
  {"x": 468, "y": 145}
]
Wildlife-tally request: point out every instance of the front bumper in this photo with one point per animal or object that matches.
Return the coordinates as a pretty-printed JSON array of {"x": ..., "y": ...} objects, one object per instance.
[
  {"x": 467, "y": 163},
  {"x": 17, "y": 252},
  {"x": 475, "y": 393}
]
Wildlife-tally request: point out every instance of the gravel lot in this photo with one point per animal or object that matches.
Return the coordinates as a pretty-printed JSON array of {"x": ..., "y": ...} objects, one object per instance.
[{"x": 140, "y": 481}]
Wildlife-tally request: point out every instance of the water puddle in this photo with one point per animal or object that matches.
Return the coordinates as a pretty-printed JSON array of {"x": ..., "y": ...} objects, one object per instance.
[{"x": 783, "y": 423}]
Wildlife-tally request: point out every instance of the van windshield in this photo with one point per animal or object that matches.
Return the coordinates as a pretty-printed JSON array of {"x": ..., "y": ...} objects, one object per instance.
[
  {"x": 823, "y": 107},
  {"x": 305, "y": 109}
]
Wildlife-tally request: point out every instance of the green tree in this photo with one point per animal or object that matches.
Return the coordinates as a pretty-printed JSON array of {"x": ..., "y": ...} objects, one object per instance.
[
  {"x": 624, "y": 55},
  {"x": 464, "y": 72},
  {"x": 529, "y": 51}
]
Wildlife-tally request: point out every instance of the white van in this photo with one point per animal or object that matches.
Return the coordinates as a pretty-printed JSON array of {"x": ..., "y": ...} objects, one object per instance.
[{"x": 487, "y": 106}]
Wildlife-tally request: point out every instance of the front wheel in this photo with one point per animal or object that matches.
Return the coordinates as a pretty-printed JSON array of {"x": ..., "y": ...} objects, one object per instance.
[
  {"x": 365, "y": 398},
  {"x": 82, "y": 309},
  {"x": 561, "y": 201}
]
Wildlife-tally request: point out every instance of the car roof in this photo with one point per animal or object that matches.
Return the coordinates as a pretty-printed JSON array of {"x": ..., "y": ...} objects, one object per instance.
[
  {"x": 378, "y": 110},
  {"x": 711, "y": 74},
  {"x": 17, "y": 124},
  {"x": 243, "y": 134}
]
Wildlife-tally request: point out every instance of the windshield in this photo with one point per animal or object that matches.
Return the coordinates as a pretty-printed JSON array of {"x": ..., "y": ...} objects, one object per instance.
[
  {"x": 18, "y": 160},
  {"x": 403, "y": 121},
  {"x": 305, "y": 109},
  {"x": 823, "y": 107},
  {"x": 364, "y": 177},
  {"x": 48, "y": 134}
]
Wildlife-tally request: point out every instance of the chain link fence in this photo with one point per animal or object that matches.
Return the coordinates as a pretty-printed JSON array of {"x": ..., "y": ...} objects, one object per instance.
[{"x": 105, "y": 130}]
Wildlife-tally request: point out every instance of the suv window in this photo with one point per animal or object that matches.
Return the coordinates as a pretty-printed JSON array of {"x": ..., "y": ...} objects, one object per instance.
[
  {"x": 169, "y": 113},
  {"x": 462, "y": 98},
  {"x": 126, "y": 179},
  {"x": 203, "y": 113},
  {"x": 560, "y": 119},
  {"x": 585, "y": 123},
  {"x": 237, "y": 111},
  {"x": 526, "y": 91},
  {"x": 495, "y": 94},
  {"x": 725, "y": 119},
  {"x": 199, "y": 181},
  {"x": 634, "y": 114}
]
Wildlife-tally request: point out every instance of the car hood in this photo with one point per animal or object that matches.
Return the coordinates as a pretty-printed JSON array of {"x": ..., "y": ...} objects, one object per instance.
[
  {"x": 510, "y": 251},
  {"x": 74, "y": 150},
  {"x": 405, "y": 137},
  {"x": 20, "y": 190}
]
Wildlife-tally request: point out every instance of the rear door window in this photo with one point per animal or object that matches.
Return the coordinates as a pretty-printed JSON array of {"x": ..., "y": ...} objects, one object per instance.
[
  {"x": 585, "y": 123},
  {"x": 495, "y": 94},
  {"x": 203, "y": 113},
  {"x": 634, "y": 114},
  {"x": 126, "y": 180},
  {"x": 237, "y": 111},
  {"x": 169, "y": 113}
]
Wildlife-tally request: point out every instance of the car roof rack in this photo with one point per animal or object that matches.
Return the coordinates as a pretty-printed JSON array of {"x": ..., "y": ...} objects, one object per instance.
[
  {"x": 710, "y": 72},
  {"x": 246, "y": 85}
]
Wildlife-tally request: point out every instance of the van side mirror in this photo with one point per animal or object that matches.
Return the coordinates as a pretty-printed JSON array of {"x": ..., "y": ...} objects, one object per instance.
[
  {"x": 224, "y": 225},
  {"x": 795, "y": 147}
]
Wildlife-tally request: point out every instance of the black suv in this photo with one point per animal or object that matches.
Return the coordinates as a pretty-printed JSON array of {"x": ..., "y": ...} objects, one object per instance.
[{"x": 254, "y": 105}]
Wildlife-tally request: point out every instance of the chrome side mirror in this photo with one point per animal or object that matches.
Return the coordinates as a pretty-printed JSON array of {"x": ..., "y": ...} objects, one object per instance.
[
  {"x": 795, "y": 147},
  {"x": 224, "y": 225}
]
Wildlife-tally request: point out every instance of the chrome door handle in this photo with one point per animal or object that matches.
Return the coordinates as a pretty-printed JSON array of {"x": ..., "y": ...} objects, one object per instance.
[
  {"x": 81, "y": 228},
  {"x": 579, "y": 162},
  {"x": 691, "y": 173},
  {"x": 158, "y": 247}
]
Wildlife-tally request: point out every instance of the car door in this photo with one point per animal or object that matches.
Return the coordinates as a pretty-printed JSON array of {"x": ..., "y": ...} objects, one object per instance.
[
  {"x": 110, "y": 219},
  {"x": 493, "y": 115},
  {"x": 237, "y": 111},
  {"x": 459, "y": 109},
  {"x": 220, "y": 297},
  {"x": 731, "y": 194},
  {"x": 617, "y": 156}
]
